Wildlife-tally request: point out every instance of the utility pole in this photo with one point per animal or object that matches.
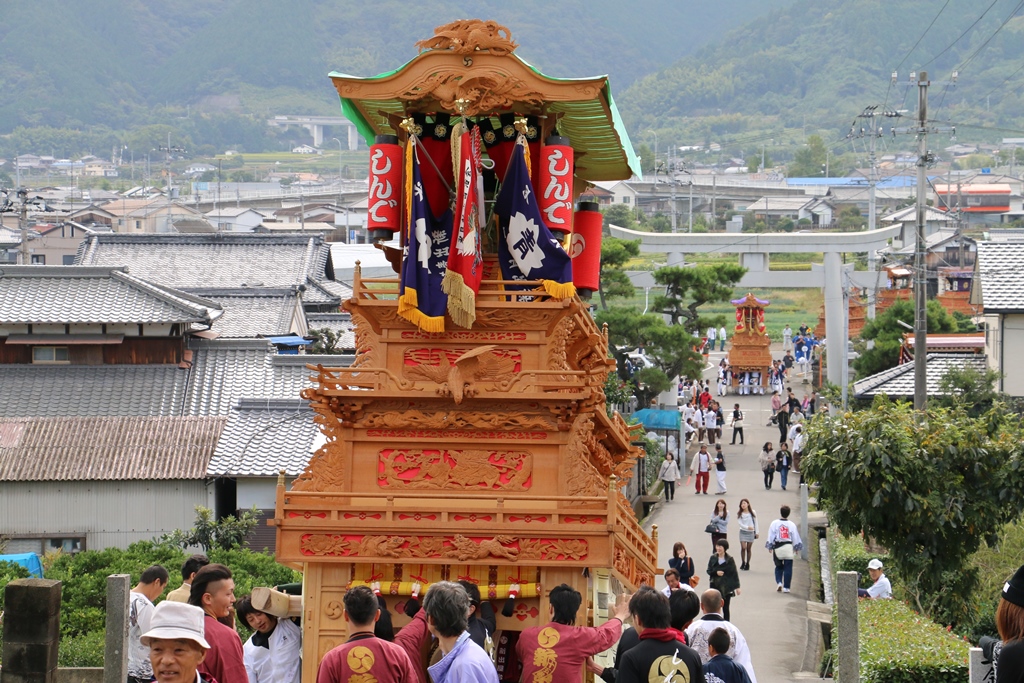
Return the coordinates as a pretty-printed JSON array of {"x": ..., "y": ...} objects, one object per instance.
[
  {"x": 924, "y": 159},
  {"x": 871, "y": 113},
  {"x": 24, "y": 257},
  {"x": 920, "y": 281},
  {"x": 672, "y": 185}
]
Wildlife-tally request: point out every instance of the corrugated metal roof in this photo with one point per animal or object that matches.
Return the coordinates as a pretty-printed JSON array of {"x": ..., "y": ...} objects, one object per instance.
[
  {"x": 899, "y": 381},
  {"x": 999, "y": 275},
  {"x": 264, "y": 437},
  {"x": 107, "y": 448},
  {"x": 91, "y": 390},
  {"x": 76, "y": 294}
]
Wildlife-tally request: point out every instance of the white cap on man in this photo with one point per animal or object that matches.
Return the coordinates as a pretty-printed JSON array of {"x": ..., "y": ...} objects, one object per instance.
[
  {"x": 875, "y": 564},
  {"x": 177, "y": 620}
]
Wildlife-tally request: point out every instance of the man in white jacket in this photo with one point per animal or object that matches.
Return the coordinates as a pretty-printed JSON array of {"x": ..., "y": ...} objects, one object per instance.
[
  {"x": 697, "y": 633},
  {"x": 274, "y": 652}
]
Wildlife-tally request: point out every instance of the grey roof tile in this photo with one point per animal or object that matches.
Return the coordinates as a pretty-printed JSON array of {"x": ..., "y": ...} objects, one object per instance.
[
  {"x": 1000, "y": 276},
  {"x": 107, "y": 448},
  {"x": 899, "y": 381},
  {"x": 224, "y": 371},
  {"x": 91, "y": 390},
  {"x": 219, "y": 260},
  {"x": 339, "y": 323},
  {"x": 264, "y": 437},
  {"x": 253, "y": 313},
  {"x": 76, "y": 294}
]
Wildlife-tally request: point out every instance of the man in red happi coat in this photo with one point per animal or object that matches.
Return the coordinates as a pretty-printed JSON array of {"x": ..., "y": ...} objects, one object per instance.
[{"x": 556, "y": 652}]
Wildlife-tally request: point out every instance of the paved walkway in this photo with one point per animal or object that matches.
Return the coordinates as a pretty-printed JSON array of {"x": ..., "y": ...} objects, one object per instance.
[{"x": 774, "y": 624}]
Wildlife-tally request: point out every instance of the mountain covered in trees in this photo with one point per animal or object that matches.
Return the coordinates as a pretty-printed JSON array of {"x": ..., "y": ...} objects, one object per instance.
[
  {"x": 119, "y": 62},
  {"x": 86, "y": 77},
  {"x": 814, "y": 65}
]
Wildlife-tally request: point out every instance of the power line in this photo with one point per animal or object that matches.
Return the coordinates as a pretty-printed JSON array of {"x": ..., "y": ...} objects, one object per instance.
[
  {"x": 1005, "y": 81},
  {"x": 981, "y": 47},
  {"x": 966, "y": 31},
  {"x": 902, "y": 61}
]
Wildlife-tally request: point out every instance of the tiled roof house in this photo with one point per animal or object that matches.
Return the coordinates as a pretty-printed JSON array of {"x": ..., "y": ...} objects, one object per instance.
[
  {"x": 999, "y": 286},
  {"x": 119, "y": 353}
]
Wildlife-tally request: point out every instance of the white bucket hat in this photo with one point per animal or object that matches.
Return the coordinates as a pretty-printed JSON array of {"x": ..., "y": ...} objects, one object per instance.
[{"x": 177, "y": 620}]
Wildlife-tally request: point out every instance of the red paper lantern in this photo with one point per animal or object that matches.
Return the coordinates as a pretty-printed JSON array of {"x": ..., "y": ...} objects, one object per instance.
[
  {"x": 585, "y": 248},
  {"x": 385, "y": 207},
  {"x": 555, "y": 190}
]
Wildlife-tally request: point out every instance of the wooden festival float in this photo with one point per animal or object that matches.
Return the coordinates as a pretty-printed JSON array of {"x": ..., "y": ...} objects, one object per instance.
[
  {"x": 473, "y": 445},
  {"x": 751, "y": 346}
]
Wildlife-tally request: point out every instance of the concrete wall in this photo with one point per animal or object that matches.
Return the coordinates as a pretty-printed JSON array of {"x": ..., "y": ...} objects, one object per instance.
[
  {"x": 80, "y": 675},
  {"x": 259, "y": 491},
  {"x": 106, "y": 513},
  {"x": 1012, "y": 352}
]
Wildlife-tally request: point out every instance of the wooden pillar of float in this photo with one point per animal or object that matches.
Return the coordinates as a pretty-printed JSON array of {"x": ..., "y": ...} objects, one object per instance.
[
  {"x": 751, "y": 345},
  {"x": 484, "y": 454}
]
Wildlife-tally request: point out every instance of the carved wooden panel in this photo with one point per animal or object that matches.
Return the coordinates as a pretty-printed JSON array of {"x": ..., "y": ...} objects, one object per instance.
[
  {"x": 456, "y": 547},
  {"x": 489, "y": 415},
  {"x": 464, "y": 469}
]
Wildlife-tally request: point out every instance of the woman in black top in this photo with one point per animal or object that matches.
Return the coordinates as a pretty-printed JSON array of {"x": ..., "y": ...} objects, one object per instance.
[
  {"x": 724, "y": 575},
  {"x": 681, "y": 562},
  {"x": 1009, "y": 663}
]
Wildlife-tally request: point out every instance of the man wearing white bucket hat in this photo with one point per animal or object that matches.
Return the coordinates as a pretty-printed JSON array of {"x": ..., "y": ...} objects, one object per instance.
[{"x": 177, "y": 642}]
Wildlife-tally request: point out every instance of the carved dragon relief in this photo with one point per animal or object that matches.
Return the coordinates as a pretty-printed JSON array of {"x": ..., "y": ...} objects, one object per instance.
[
  {"x": 466, "y": 36},
  {"x": 487, "y": 415},
  {"x": 468, "y": 469},
  {"x": 480, "y": 364},
  {"x": 367, "y": 342},
  {"x": 557, "y": 346},
  {"x": 581, "y": 476},
  {"x": 325, "y": 470},
  {"x": 456, "y": 547},
  {"x": 512, "y": 318}
]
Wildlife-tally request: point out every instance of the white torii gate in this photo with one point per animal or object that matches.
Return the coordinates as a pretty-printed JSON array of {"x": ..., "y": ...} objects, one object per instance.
[{"x": 754, "y": 249}]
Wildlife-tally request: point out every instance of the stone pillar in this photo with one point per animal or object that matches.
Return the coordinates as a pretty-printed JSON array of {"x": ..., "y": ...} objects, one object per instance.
[
  {"x": 755, "y": 262},
  {"x": 979, "y": 668},
  {"x": 834, "y": 317},
  {"x": 115, "y": 654},
  {"x": 803, "y": 520},
  {"x": 848, "y": 667},
  {"x": 31, "y": 631}
]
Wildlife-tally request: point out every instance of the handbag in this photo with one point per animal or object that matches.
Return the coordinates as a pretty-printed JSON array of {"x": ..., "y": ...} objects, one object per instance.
[
  {"x": 710, "y": 528},
  {"x": 693, "y": 581}
]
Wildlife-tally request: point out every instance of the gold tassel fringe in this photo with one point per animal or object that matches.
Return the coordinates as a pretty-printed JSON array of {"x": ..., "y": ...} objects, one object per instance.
[
  {"x": 559, "y": 290},
  {"x": 461, "y": 299}
]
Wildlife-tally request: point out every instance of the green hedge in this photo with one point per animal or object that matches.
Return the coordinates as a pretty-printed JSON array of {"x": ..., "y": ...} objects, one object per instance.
[
  {"x": 897, "y": 645},
  {"x": 848, "y": 554},
  {"x": 84, "y": 584}
]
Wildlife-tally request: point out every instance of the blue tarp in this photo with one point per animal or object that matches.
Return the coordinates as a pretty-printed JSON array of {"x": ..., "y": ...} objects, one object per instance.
[
  {"x": 29, "y": 561},
  {"x": 290, "y": 340},
  {"x": 652, "y": 418}
]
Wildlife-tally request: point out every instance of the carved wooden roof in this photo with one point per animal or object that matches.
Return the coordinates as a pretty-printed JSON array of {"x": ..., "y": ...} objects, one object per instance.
[{"x": 472, "y": 65}]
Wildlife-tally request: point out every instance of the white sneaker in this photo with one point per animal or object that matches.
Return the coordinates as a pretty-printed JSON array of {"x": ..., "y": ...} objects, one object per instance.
[
  {"x": 785, "y": 590},
  {"x": 779, "y": 589}
]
